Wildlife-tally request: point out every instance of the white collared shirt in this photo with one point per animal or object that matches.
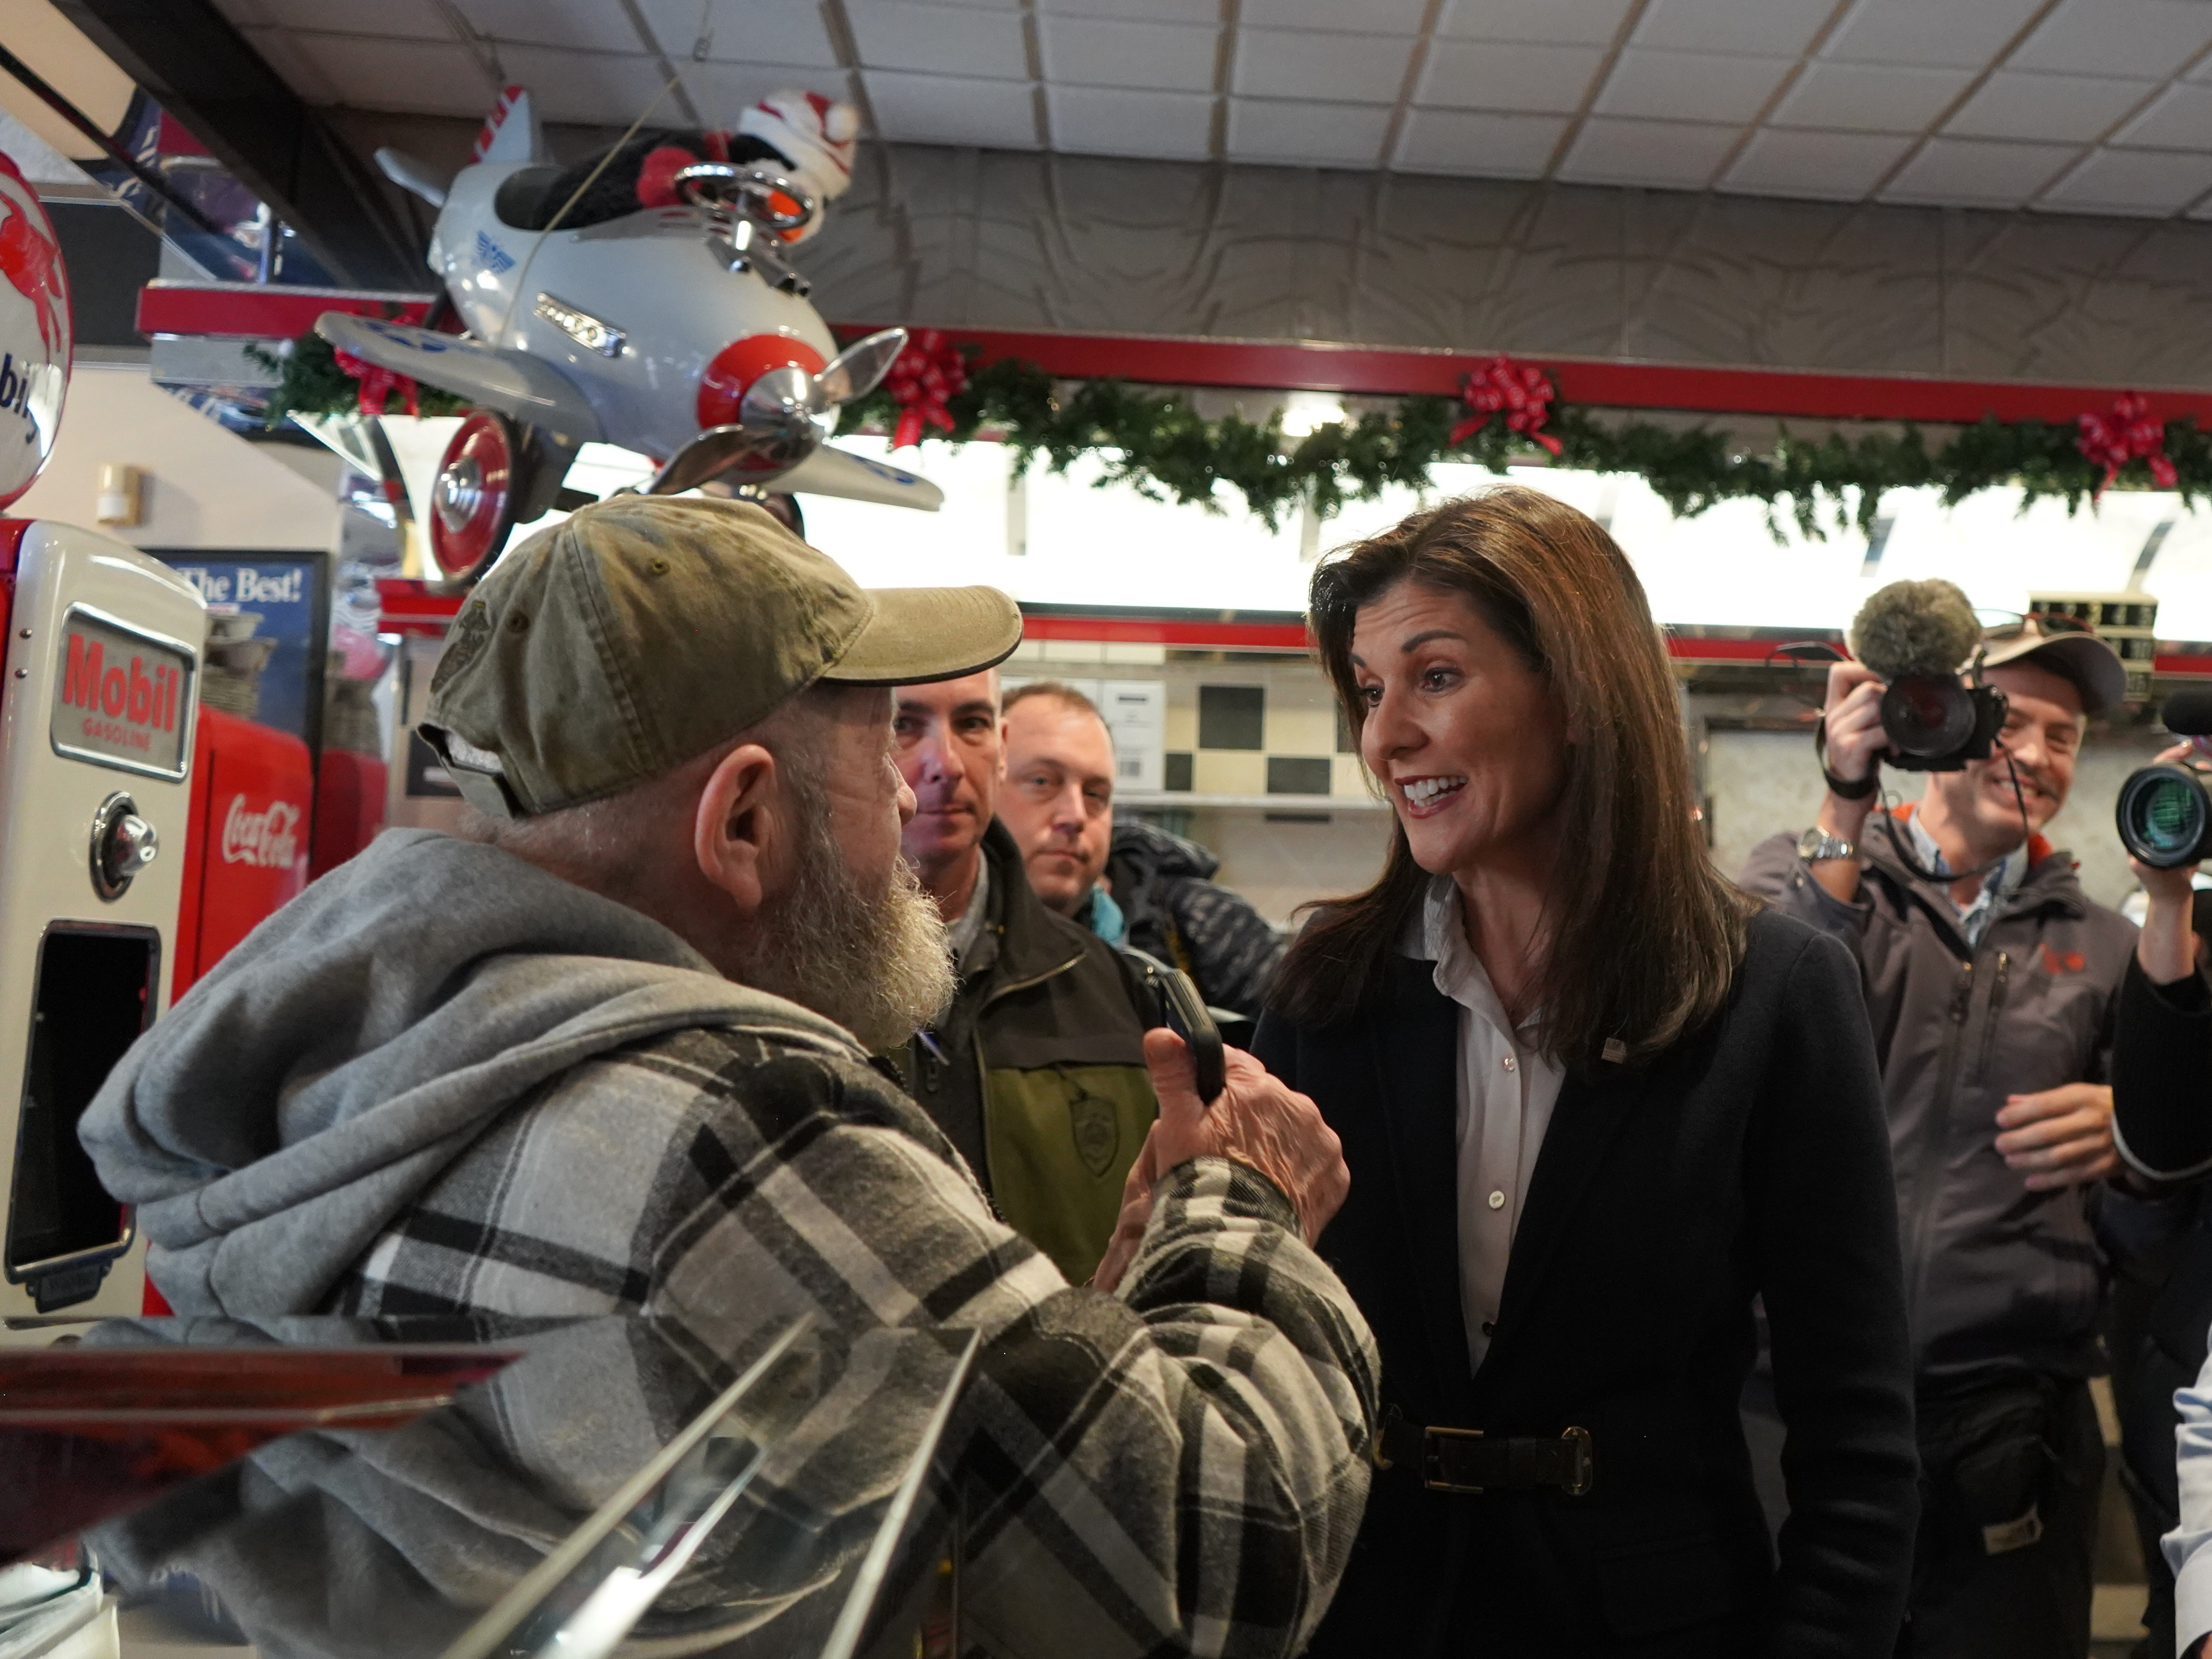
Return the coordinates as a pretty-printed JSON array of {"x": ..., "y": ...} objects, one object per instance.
[
  {"x": 1996, "y": 887},
  {"x": 1507, "y": 1089}
]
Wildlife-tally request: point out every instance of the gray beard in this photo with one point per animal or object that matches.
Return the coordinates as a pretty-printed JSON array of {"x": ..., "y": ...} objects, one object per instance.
[{"x": 878, "y": 964}]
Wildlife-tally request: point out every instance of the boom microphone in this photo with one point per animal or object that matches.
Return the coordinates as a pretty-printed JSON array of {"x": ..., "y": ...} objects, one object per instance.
[{"x": 2188, "y": 712}]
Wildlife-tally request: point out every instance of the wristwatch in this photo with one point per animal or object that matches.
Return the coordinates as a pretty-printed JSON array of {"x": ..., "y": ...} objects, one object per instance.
[{"x": 1817, "y": 846}]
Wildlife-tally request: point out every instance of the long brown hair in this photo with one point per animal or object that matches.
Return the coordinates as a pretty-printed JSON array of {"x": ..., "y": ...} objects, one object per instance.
[{"x": 1645, "y": 934}]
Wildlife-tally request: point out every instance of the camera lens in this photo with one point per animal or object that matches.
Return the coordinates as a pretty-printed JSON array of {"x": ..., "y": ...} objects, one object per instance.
[
  {"x": 1926, "y": 717},
  {"x": 2163, "y": 812}
]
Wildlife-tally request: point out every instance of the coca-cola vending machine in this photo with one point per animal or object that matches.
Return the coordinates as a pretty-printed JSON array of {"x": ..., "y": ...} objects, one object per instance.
[{"x": 98, "y": 708}]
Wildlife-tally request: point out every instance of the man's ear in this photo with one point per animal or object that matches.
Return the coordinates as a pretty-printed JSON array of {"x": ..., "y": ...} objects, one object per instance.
[{"x": 734, "y": 833}]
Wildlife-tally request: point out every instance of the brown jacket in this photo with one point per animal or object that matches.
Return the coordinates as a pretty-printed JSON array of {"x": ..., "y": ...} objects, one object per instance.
[{"x": 1996, "y": 1276}]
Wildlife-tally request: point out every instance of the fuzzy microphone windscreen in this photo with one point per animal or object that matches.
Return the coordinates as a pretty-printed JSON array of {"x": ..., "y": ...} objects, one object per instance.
[{"x": 1911, "y": 629}]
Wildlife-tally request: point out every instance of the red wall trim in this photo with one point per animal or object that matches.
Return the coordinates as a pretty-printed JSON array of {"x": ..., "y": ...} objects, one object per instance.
[{"x": 1324, "y": 366}]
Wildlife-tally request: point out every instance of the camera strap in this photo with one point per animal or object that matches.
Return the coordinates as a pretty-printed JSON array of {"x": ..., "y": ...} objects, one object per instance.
[
  {"x": 1842, "y": 788},
  {"x": 1936, "y": 879}
]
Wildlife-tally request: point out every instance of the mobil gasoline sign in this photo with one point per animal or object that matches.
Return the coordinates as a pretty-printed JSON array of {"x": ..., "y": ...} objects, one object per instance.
[{"x": 120, "y": 698}]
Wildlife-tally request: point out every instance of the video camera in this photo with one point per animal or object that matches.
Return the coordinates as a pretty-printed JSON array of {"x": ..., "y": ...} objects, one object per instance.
[
  {"x": 1916, "y": 635},
  {"x": 2165, "y": 813}
]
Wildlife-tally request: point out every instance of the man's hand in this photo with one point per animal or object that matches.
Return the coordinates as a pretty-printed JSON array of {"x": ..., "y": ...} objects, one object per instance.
[
  {"x": 1853, "y": 712},
  {"x": 2061, "y": 1138},
  {"x": 1258, "y": 1121}
]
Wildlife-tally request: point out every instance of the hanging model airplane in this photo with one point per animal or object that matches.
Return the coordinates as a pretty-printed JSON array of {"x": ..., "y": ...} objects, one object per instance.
[{"x": 643, "y": 298}]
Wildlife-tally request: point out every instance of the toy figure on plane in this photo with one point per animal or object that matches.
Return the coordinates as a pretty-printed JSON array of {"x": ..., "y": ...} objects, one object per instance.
[{"x": 640, "y": 297}]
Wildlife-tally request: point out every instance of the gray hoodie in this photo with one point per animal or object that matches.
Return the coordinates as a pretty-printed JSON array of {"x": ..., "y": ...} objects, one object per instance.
[{"x": 305, "y": 1092}]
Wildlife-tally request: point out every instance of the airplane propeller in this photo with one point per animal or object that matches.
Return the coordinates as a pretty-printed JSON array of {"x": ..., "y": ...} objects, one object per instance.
[{"x": 783, "y": 418}]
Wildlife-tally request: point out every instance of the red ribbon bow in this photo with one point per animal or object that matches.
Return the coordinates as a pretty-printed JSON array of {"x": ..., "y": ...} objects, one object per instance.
[
  {"x": 377, "y": 385},
  {"x": 923, "y": 378},
  {"x": 2129, "y": 432},
  {"x": 1525, "y": 393}
]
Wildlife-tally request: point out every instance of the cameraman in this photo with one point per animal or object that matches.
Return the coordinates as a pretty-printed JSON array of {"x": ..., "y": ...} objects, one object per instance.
[{"x": 1991, "y": 980}]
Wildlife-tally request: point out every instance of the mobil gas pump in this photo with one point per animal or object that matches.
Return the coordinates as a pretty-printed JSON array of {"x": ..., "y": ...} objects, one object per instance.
[{"x": 97, "y": 713}]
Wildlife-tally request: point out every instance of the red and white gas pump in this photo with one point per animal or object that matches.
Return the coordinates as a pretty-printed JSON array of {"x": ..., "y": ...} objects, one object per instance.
[{"x": 98, "y": 705}]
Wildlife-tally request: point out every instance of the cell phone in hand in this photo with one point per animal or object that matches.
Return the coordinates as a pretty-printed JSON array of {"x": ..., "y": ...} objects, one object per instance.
[{"x": 1182, "y": 1010}]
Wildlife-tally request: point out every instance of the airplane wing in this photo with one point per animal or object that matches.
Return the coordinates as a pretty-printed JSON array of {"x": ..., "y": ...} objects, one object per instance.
[
  {"x": 514, "y": 383},
  {"x": 832, "y": 472}
]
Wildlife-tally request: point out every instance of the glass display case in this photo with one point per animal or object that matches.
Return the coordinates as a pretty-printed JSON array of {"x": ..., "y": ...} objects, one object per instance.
[{"x": 330, "y": 1488}]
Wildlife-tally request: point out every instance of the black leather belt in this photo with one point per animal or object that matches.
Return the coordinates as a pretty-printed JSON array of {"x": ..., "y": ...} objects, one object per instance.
[{"x": 1469, "y": 1461}]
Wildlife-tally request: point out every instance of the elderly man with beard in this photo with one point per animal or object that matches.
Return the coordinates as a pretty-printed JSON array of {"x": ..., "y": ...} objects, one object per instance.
[
  {"x": 609, "y": 1052},
  {"x": 1993, "y": 982}
]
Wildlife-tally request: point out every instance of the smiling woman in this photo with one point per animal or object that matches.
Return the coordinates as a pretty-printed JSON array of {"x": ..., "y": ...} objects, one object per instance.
[{"x": 1595, "y": 1102}]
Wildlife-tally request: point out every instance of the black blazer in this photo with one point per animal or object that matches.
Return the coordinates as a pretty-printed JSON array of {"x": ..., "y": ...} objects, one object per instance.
[{"x": 1751, "y": 1161}]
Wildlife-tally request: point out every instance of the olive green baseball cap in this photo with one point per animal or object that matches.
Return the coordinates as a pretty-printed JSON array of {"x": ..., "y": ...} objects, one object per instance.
[{"x": 646, "y": 630}]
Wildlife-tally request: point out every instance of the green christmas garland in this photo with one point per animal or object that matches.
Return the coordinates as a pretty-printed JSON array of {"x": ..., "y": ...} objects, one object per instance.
[{"x": 1153, "y": 440}]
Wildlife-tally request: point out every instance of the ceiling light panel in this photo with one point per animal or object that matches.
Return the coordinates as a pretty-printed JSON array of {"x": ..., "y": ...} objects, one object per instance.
[
  {"x": 1952, "y": 34},
  {"x": 1869, "y": 97},
  {"x": 964, "y": 40},
  {"x": 1540, "y": 22},
  {"x": 2010, "y": 105},
  {"x": 1349, "y": 68},
  {"x": 1828, "y": 166},
  {"x": 1112, "y": 52},
  {"x": 1670, "y": 85},
  {"x": 1776, "y": 28},
  {"x": 2132, "y": 182},
  {"x": 743, "y": 31},
  {"x": 1666, "y": 154},
  {"x": 2180, "y": 118},
  {"x": 1313, "y": 134},
  {"x": 1976, "y": 172},
  {"x": 1478, "y": 143},
  {"x": 2148, "y": 37},
  {"x": 1174, "y": 126},
  {"x": 1479, "y": 75},
  {"x": 951, "y": 109}
]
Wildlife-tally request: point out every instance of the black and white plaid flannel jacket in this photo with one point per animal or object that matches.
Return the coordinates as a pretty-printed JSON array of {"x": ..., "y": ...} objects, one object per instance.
[{"x": 1179, "y": 1467}]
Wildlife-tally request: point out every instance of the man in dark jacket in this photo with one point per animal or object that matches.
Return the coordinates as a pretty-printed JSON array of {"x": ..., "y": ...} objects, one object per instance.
[
  {"x": 1178, "y": 911},
  {"x": 1037, "y": 1072},
  {"x": 1992, "y": 981}
]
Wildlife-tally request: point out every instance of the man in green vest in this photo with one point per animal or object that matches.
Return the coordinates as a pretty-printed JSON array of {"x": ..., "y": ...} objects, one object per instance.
[{"x": 1037, "y": 1072}]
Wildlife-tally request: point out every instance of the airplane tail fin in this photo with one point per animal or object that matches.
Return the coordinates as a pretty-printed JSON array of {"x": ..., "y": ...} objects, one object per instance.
[{"x": 510, "y": 131}]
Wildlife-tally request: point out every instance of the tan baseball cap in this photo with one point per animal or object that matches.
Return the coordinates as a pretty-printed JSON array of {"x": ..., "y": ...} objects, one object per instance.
[
  {"x": 646, "y": 630},
  {"x": 2080, "y": 656}
]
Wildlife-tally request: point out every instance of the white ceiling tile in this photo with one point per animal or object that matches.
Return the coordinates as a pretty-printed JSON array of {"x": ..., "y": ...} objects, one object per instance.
[
  {"x": 951, "y": 109},
  {"x": 1542, "y": 23},
  {"x": 2010, "y": 104},
  {"x": 1949, "y": 35},
  {"x": 2131, "y": 182},
  {"x": 1476, "y": 143},
  {"x": 1207, "y": 12},
  {"x": 280, "y": 50},
  {"x": 1826, "y": 166},
  {"x": 1685, "y": 86},
  {"x": 1975, "y": 172},
  {"x": 1478, "y": 74},
  {"x": 743, "y": 31},
  {"x": 1671, "y": 154},
  {"x": 409, "y": 18},
  {"x": 1111, "y": 51},
  {"x": 1753, "y": 28},
  {"x": 1313, "y": 134},
  {"x": 1869, "y": 97},
  {"x": 580, "y": 25},
  {"x": 598, "y": 87},
  {"x": 722, "y": 92},
  {"x": 2148, "y": 37},
  {"x": 1345, "y": 68},
  {"x": 417, "y": 78},
  {"x": 1366, "y": 17},
  {"x": 1102, "y": 121},
  {"x": 2180, "y": 120},
  {"x": 901, "y": 35}
]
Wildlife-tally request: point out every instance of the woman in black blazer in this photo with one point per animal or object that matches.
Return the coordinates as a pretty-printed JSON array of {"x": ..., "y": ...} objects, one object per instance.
[{"x": 1642, "y": 1109}]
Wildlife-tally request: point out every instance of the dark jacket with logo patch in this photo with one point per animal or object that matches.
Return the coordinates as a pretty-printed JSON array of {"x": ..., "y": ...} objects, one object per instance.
[
  {"x": 1997, "y": 1279},
  {"x": 1037, "y": 1072}
]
